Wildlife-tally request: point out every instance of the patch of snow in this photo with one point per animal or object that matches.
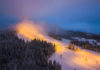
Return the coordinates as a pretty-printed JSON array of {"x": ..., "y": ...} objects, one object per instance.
[
  {"x": 81, "y": 60},
  {"x": 65, "y": 41},
  {"x": 70, "y": 60},
  {"x": 22, "y": 37},
  {"x": 89, "y": 40},
  {"x": 98, "y": 43}
]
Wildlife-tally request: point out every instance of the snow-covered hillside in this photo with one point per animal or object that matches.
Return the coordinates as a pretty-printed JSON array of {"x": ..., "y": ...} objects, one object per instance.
[
  {"x": 81, "y": 60},
  {"x": 70, "y": 60}
]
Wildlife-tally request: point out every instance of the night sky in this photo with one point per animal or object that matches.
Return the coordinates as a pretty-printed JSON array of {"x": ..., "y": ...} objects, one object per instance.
[{"x": 81, "y": 15}]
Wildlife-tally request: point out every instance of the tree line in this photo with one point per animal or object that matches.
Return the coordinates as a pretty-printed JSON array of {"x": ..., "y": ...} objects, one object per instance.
[
  {"x": 87, "y": 45},
  {"x": 16, "y": 54}
]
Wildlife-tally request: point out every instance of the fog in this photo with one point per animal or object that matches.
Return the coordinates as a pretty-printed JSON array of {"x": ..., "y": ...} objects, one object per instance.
[{"x": 82, "y": 15}]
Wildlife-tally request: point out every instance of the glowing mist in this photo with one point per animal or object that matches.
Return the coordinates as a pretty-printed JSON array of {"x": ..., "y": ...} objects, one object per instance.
[
  {"x": 32, "y": 31},
  {"x": 84, "y": 59}
]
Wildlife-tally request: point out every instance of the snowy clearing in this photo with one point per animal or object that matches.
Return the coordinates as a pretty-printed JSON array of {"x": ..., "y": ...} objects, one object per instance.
[{"x": 81, "y": 60}]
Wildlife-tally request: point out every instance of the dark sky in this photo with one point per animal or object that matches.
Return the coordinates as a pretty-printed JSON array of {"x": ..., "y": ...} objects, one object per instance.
[{"x": 61, "y": 12}]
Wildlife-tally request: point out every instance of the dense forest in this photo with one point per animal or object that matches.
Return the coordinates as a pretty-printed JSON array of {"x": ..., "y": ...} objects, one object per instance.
[{"x": 16, "y": 54}]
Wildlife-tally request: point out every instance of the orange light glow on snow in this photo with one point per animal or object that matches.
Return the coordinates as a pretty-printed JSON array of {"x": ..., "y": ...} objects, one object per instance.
[
  {"x": 31, "y": 31},
  {"x": 59, "y": 49}
]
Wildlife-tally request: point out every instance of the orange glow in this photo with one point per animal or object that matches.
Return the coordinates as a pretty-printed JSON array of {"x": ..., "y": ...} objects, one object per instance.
[
  {"x": 87, "y": 59},
  {"x": 59, "y": 48},
  {"x": 31, "y": 31},
  {"x": 83, "y": 58}
]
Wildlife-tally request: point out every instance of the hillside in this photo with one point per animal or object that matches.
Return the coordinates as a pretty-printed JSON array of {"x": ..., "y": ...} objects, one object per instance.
[{"x": 16, "y": 54}]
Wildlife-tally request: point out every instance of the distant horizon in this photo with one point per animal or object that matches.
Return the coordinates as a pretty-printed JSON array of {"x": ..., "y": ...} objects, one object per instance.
[
  {"x": 82, "y": 27},
  {"x": 81, "y": 15}
]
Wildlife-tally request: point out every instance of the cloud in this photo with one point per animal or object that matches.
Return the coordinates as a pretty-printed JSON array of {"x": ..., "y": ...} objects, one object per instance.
[{"x": 69, "y": 10}]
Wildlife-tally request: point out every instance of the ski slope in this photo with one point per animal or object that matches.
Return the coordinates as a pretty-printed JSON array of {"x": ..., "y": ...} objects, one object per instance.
[
  {"x": 69, "y": 60},
  {"x": 81, "y": 60}
]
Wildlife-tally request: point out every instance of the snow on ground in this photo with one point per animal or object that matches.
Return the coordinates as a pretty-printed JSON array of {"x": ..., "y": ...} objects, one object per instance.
[
  {"x": 22, "y": 37},
  {"x": 70, "y": 60},
  {"x": 65, "y": 41},
  {"x": 89, "y": 40},
  {"x": 81, "y": 60}
]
